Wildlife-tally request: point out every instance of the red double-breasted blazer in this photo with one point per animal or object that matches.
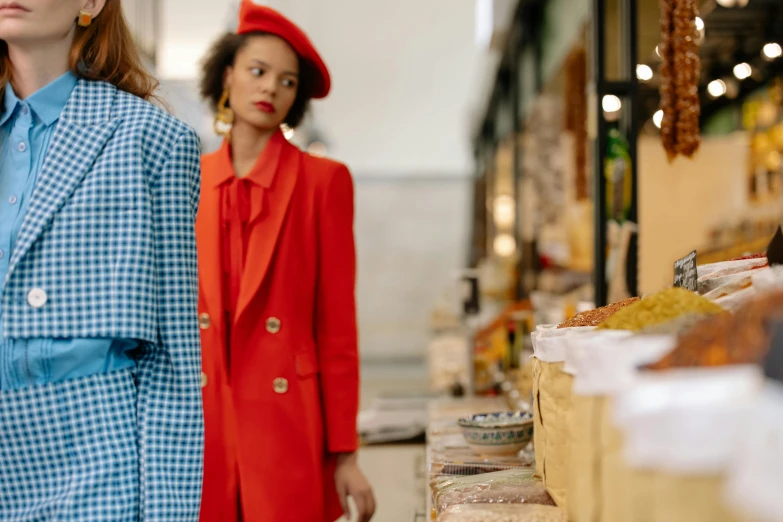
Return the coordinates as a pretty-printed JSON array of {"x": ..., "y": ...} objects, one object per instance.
[{"x": 281, "y": 396}]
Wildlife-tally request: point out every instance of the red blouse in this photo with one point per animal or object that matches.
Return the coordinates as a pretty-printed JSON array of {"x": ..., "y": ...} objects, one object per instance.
[{"x": 242, "y": 206}]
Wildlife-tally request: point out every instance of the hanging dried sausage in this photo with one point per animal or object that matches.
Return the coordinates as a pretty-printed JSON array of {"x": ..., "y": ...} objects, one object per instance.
[
  {"x": 668, "y": 101},
  {"x": 686, "y": 77},
  {"x": 680, "y": 71}
]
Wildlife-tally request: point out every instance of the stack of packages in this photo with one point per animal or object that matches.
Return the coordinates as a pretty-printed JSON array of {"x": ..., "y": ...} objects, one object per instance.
[
  {"x": 465, "y": 486},
  {"x": 730, "y": 284}
]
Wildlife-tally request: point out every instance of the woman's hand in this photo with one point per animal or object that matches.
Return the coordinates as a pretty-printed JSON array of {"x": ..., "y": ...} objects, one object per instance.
[{"x": 351, "y": 482}]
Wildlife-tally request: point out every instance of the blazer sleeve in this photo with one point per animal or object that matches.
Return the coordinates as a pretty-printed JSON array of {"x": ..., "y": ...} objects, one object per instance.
[
  {"x": 170, "y": 415},
  {"x": 336, "y": 332}
]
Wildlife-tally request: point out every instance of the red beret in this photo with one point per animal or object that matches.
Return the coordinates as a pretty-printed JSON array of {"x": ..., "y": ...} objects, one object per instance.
[{"x": 259, "y": 18}]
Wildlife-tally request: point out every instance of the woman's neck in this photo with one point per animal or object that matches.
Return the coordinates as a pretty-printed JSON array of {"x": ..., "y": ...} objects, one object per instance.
[
  {"x": 35, "y": 66},
  {"x": 247, "y": 144}
]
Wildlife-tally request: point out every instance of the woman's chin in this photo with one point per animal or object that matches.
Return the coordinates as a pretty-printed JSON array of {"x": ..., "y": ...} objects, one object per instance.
[{"x": 263, "y": 122}]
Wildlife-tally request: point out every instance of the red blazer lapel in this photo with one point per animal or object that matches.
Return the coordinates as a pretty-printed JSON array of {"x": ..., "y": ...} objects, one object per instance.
[
  {"x": 208, "y": 234},
  {"x": 267, "y": 231}
]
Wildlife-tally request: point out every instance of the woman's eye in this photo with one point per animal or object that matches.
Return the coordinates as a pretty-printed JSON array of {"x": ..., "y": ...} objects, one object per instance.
[
  {"x": 289, "y": 83},
  {"x": 256, "y": 71}
]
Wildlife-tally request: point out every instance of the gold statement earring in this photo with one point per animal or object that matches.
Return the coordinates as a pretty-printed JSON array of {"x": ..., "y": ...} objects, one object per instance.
[
  {"x": 224, "y": 118},
  {"x": 85, "y": 19}
]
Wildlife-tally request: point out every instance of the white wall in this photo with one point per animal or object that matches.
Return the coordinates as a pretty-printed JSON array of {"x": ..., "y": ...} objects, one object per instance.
[
  {"x": 406, "y": 79},
  {"x": 405, "y": 75}
]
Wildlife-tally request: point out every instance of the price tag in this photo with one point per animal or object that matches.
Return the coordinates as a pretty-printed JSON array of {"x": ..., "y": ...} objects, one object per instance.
[
  {"x": 775, "y": 249},
  {"x": 685, "y": 272}
]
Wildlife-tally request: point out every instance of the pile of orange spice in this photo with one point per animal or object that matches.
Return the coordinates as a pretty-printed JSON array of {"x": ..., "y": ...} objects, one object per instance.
[
  {"x": 597, "y": 316},
  {"x": 727, "y": 339}
]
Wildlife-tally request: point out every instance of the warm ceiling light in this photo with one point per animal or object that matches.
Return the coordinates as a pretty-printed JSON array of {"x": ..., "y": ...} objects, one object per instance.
[
  {"x": 699, "y": 24},
  {"x": 504, "y": 211},
  {"x": 658, "y": 118},
  {"x": 773, "y": 51},
  {"x": 733, "y": 3},
  {"x": 644, "y": 72},
  {"x": 717, "y": 88},
  {"x": 505, "y": 245},
  {"x": 742, "y": 71},
  {"x": 611, "y": 103}
]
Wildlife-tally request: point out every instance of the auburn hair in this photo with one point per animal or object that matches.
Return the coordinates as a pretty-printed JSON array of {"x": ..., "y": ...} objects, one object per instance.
[{"x": 103, "y": 51}]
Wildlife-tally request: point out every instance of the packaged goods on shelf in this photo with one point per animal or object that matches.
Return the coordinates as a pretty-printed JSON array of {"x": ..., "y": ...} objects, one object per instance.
[
  {"x": 462, "y": 461},
  {"x": 725, "y": 268},
  {"x": 514, "y": 486},
  {"x": 658, "y": 308},
  {"x": 503, "y": 513},
  {"x": 731, "y": 284}
]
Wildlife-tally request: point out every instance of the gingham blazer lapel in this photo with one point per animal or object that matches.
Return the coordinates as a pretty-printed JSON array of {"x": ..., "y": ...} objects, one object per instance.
[{"x": 81, "y": 133}]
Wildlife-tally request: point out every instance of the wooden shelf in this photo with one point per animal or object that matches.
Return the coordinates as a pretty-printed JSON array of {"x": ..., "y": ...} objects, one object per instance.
[{"x": 724, "y": 254}]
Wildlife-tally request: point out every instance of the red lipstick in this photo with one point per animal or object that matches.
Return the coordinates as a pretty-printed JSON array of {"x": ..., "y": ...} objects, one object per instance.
[{"x": 265, "y": 107}]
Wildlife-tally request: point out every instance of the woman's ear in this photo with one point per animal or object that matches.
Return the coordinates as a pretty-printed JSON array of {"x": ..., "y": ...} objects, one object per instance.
[
  {"x": 227, "y": 77},
  {"x": 94, "y": 7}
]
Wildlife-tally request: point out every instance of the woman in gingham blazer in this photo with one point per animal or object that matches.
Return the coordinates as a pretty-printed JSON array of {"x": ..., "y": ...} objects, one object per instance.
[{"x": 100, "y": 400}]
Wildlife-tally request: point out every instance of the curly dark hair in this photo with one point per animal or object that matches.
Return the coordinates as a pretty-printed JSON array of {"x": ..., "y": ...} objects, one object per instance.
[{"x": 222, "y": 55}]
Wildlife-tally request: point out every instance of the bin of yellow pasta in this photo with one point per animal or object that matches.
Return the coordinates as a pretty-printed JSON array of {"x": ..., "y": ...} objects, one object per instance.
[{"x": 667, "y": 305}]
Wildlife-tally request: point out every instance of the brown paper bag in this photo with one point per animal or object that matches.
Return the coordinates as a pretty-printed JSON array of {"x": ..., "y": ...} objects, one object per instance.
[
  {"x": 551, "y": 410},
  {"x": 681, "y": 498},
  {"x": 615, "y": 476},
  {"x": 584, "y": 471}
]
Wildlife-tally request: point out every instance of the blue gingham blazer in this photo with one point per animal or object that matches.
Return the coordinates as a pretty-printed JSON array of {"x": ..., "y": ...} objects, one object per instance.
[{"x": 109, "y": 238}]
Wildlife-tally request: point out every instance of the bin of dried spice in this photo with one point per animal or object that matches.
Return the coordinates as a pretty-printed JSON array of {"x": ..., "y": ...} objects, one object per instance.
[
  {"x": 676, "y": 326},
  {"x": 659, "y": 308},
  {"x": 503, "y": 513},
  {"x": 597, "y": 316},
  {"x": 727, "y": 339}
]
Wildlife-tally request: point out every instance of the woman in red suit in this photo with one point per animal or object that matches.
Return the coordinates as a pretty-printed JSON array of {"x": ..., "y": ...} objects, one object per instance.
[{"x": 276, "y": 301}]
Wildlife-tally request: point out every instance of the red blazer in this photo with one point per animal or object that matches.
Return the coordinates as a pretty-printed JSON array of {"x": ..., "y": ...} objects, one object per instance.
[{"x": 290, "y": 397}]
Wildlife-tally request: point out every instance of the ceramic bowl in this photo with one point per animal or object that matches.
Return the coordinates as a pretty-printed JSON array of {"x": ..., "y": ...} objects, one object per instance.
[{"x": 504, "y": 433}]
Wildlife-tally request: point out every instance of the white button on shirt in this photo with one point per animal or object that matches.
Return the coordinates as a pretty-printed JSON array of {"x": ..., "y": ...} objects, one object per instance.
[
  {"x": 37, "y": 298},
  {"x": 22, "y": 146}
]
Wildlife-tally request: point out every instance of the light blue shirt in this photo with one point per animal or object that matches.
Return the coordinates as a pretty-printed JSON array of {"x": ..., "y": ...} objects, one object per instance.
[{"x": 26, "y": 127}]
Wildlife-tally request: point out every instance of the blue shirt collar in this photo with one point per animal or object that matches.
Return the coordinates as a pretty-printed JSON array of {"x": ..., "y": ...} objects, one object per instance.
[{"x": 47, "y": 103}]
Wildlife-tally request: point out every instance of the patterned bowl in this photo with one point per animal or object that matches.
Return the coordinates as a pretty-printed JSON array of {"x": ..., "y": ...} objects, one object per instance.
[{"x": 498, "y": 433}]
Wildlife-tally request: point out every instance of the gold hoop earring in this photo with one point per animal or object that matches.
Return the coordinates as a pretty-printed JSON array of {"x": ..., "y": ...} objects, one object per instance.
[
  {"x": 85, "y": 19},
  {"x": 224, "y": 118}
]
